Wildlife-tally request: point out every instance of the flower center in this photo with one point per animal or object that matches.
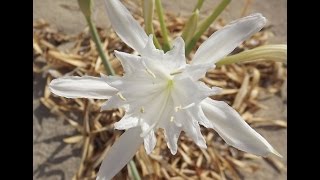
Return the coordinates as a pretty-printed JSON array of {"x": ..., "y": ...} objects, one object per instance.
[{"x": 170, "y": 84}]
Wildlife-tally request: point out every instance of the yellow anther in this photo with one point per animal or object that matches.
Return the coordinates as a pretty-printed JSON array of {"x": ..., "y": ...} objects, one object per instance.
[
  {"x": 142, "y": 109},
  {"x": 121, "y": 96},
  {"x": 176, "y": 72}
]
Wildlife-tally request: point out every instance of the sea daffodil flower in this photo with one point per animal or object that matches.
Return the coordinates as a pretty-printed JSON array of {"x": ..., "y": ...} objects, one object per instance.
[{"x": 160, "y": 90}]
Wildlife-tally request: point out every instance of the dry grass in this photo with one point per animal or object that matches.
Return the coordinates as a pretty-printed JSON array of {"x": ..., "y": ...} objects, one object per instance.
[{"x": 57, "y": 54}]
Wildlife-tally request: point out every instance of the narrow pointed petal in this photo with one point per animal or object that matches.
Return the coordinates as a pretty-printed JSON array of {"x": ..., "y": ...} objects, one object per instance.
[
  {"x": 171, "y": 134},
  {"x": 129, "y": 62},
  {"x": 120, "y": 153},
  {"x": 234, "y": 130},
  {"x": 175, "y": 58},
  {"x": 197, "y": 71},
  {"x": 191, "y": 127},
  {"x": 150, "y": 142},
  {"x": 150, "y": 51},
  {"x": 126, "y": 122},
  {"x": 225, "y": 40},
  {"x": 82, "y": 87},
  {"x": 197, "y": 114},
  {"x": 127, "y": 28},
  {"x": 113, "y": 103}
]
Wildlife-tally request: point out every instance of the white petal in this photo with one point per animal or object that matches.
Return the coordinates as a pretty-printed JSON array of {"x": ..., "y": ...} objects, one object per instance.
[
  {"x": 225, "y": 40},
  {"x": 120, "y": 153},
  {"x": 234, "y": 130},
  {"x": 186, "y": 91},
  {"x": 82, "y": 87},
  {"x": 127, "y": 28},
  {"x": 197, "y": 114},
  {"x": 169, "y": 125},
  {"x": 150, "y": 51},
  {"x": 171, "y": 135},
  {"x": 126, "y": 122},
  {"x": 150, "y": 142},
  {"x": 112, "y": 103},
  {"x": 154, "y": 112},
  {"x": 175, "y": 58},
  {"x": 191, "y": 127},
  {"x": 130, "y": 62},
  {"x": 197, "y": 71}
]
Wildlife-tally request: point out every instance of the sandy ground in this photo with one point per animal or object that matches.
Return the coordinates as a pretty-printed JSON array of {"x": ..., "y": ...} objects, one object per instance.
[{"x": 53, "y": 159}]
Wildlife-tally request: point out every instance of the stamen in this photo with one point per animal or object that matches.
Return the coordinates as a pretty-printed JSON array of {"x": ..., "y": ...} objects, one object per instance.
[
  {"x": 121, "y": 96},
  {"x": 176, "y": 72},
  {"x": 188, "y": 106},
  {"x": 185, "y": 107},
  {"x": 151, "y": 73}
]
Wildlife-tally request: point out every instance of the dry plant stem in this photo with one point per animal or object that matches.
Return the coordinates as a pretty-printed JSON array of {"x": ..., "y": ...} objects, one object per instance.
[
  {"x": 147, "y": 8},
  {"x": 166, "y": 44},
  {"x": 101, "y": 52},
  {"x": 276, "y": 52},
  {"x": 246, "y": 7},
  {"x": 205, "y": 25}
]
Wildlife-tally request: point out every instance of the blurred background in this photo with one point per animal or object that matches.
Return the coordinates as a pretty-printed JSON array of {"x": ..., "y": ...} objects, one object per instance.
[{"x": 58, "y": 145}]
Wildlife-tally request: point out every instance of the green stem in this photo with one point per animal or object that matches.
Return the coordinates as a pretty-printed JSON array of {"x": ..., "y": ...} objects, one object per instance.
[
  {"x": 101, "y": 52},
  {"x": 164, "y": 31},
  {"x": 148, "y": 6},
  {"x": 199, "y": 5},
  {"x": 190, "y": 27},
  {"x": 277, "y": 52},
  {"x": 134, "y": 170},
  {"x": 206, "y": 24}
]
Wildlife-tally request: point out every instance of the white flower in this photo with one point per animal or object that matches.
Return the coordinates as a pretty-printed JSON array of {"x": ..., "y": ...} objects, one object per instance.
[{"x": 159, "y": 90}]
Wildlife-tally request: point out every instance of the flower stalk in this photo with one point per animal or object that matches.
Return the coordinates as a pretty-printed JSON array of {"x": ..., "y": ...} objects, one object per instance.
[
  {"x": 275, "y": 52},
  {"x": 206, "y": 24},
  {"x": 86, "y": 8},
  {"x": 96, "y": 39},
  {"x": 148, "y": 9},
  {"x": 134, "y": 170},
  {"x": 198, "y": 5},
  {"x": 164, "y": 31},
  {"x": 190, "y": 27}
]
